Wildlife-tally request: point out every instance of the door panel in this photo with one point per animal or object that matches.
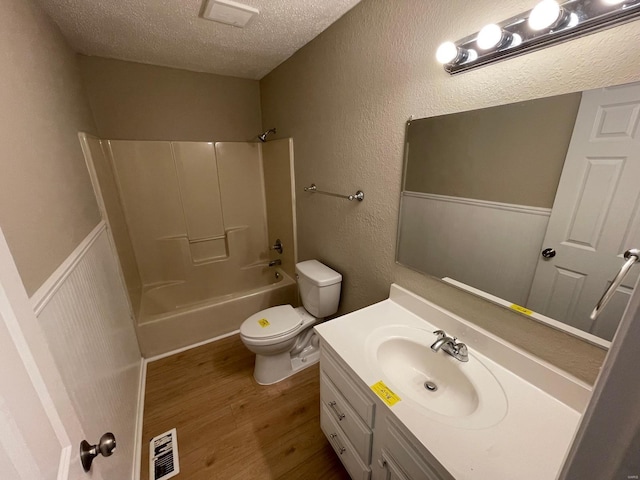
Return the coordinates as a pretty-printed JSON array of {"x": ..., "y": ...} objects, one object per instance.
[
  {"x": 30, "y": 446},
  {"x": 596, "y": 213}
]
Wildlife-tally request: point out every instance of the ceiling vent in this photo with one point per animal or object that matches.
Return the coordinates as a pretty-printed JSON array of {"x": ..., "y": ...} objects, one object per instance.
[{"x": 229, "y": 12}]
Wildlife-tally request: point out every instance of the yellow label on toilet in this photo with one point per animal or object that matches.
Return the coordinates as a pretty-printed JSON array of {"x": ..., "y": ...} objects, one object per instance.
[
  {"x": 520, "y": 309},
  {"x": 263, "y": 322},
  {"x": 385, "y": 393}
]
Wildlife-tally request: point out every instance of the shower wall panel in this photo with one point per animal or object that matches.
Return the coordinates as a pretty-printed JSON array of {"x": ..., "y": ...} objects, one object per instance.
[
  {"x": 198, "y": 180},
  {"x": 148, "y": 184},
  {"x": 195, "y": 211},
  {"x": 243, "y": 198},
  {"x": 97, "y": 158},
  {"x": 279, "y": 183}
]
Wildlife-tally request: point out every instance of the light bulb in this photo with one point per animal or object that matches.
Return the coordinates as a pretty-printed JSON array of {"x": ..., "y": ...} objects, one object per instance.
[
  {"x": 490, "y": 36},
  {"x": 613, "y": 2},
  {"x": 447, "y": 52},
  {"x": 544, "y": 15}
]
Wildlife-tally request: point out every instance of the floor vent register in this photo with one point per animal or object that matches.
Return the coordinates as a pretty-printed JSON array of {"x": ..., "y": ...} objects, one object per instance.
[{"x": 163, "y": 455}]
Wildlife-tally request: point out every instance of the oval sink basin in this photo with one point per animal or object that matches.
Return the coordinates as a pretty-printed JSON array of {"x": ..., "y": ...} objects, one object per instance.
[{"x": 464, "y": 394}]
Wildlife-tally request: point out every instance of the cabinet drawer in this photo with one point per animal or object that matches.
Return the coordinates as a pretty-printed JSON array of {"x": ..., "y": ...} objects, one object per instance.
[
  {"x": 343, "y": 448},
  {"x": 346, "y": 417},
  {"x": 364, "y": 406},
  {"x": 413, "y": 464}
]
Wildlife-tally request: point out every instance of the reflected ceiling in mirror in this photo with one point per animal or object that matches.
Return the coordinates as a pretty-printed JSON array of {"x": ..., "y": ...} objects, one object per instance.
[{"x": 485, "y": 192}]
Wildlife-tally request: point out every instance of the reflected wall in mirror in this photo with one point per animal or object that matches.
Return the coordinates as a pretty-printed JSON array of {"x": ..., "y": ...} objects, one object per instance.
[{"x": 486, "y": 192}]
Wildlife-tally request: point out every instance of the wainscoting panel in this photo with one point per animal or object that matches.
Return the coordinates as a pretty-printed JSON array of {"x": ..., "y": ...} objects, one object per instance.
[
  {"x": 84, "y": 314},
  {"x": 488, "y": 245}
]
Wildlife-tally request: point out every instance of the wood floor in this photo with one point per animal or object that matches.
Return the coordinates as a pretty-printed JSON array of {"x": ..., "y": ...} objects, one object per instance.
[{"x": 228, "y": 426}]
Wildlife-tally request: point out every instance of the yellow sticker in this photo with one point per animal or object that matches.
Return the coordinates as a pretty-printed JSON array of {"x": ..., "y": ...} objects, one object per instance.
[
  {"x": 263, "y": 322},
  {"x": 520, "y": 309},
  {"x": 385, "y": 393}
]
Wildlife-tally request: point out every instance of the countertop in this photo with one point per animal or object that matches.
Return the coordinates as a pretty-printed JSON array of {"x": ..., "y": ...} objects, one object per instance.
[{"x": 544, "y": 404}]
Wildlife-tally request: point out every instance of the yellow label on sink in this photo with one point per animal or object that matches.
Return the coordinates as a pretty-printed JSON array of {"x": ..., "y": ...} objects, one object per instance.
[
  {"x": 520, "y": 309},
  {"x": 385, "y": 393},
  {"x": 263, "y": 322}
]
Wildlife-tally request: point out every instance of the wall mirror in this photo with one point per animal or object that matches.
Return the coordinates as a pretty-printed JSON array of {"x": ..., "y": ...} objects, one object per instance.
[{"x": 530, "y": 204}]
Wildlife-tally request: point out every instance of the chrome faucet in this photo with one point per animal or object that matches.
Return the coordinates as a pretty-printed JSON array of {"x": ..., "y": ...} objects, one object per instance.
[
  {"x": 275, "y": 262},
  {"x": 457, "y": 350}
]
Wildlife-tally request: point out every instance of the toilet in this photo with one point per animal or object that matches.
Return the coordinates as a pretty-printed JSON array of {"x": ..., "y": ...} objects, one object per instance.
[{"x": 282, "y": 337}]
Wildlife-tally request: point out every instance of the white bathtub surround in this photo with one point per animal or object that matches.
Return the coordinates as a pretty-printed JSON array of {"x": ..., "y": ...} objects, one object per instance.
[
  {"x": 190, "y": 223},
  {"x": 543, "y": 404}
]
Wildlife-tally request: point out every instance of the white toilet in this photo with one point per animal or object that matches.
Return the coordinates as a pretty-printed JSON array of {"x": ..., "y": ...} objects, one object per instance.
[{"x": 282, "y": 337}]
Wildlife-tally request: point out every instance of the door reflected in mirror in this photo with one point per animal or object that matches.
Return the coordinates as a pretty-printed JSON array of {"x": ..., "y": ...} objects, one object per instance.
[{"x": 533, "y": 203}]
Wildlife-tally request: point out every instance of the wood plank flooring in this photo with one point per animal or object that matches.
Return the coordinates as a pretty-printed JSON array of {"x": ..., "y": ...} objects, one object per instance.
[{"x": 228, "y": 426}]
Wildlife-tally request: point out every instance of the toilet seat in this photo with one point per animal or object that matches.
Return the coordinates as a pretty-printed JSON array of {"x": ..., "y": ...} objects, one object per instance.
[{"x": 271, "y": 323}]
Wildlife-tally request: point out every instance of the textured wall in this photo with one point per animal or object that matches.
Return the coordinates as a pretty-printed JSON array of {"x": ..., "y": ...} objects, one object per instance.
[
  {"x": 132, "y": 101},
  {"x": 47, "y": 204},
  {"x": 345, "y": 98}
]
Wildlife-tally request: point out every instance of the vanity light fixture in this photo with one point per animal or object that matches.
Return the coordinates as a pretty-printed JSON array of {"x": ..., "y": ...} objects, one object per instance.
[{"x": 548, "y": 23}]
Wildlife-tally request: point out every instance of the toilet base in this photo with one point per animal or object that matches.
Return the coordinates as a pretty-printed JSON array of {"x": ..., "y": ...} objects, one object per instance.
[{"x": 270, "y": 369}]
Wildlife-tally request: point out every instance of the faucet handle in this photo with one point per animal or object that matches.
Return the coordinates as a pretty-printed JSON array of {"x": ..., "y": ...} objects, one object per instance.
[
  {"x": 440, "y": 333},
  {"x": 461, "y": 352}
]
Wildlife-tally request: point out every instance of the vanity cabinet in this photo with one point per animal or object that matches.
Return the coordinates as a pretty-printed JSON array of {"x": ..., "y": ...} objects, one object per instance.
[
  {"x": 369, "y": 441},
  {"x": 346, "y": 417}
]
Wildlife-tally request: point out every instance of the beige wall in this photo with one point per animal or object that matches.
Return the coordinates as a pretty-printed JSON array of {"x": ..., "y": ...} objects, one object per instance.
[
  {"x": 510, "y": 154},
  {"x": 345, "y": 98},
  {"x": 47, "y": 204},
  {"x": 133, "y": 101}
]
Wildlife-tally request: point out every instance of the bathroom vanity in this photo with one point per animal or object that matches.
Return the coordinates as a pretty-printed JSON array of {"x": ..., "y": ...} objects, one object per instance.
[{"x": 394, "y": 409}]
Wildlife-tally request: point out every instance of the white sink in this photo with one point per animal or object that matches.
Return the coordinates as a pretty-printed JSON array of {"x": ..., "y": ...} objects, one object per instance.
[{"x": 466, "y": 394}]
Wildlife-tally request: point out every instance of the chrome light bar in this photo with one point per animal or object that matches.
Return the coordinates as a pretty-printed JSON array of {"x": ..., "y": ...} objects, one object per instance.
[{"x": 547, "y": 24}]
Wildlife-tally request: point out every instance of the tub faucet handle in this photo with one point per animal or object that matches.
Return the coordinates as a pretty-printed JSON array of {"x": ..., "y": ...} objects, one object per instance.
[{"x": 277, "y": 246}]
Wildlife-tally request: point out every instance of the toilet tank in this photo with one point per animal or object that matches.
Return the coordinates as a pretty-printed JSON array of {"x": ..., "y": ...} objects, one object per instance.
[{"x": 319, "y": 288}]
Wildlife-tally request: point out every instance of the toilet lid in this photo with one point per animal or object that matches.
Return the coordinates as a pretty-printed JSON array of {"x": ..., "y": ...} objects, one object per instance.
[{"x": 272, "y": 322}]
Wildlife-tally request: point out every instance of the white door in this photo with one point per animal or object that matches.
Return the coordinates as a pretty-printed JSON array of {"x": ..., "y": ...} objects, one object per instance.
[
  {"x": 596, "y": 214},
  {"x": 39, "y": 432}
]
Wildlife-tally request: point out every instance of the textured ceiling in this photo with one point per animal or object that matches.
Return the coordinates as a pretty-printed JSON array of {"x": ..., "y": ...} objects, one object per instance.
[{"x": 172, "y": 32}]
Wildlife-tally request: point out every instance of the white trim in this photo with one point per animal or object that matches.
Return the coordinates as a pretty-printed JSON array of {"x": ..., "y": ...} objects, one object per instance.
[
  {"x": 189, "y": 347},
  {"x": 575, "y": 332},
  {"x": 512, "y": 207},
  {"x": 48, "y": 289},
  {"x": 65, "y": 463},
  {"x": 137, "y": 444}
]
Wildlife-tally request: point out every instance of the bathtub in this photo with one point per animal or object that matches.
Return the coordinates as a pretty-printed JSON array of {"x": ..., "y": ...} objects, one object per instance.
[{"x": 176, "y": 315}]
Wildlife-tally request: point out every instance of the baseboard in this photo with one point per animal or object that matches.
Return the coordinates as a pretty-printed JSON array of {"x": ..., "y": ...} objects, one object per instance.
[
  {"x": 189, "y": 347},
  {"x": 137, "y": 445}
]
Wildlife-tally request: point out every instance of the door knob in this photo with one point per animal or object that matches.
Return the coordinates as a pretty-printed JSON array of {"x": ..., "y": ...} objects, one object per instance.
[
  {"x": 105, "y": 448},
  {"x": 548, "y": 253}
]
